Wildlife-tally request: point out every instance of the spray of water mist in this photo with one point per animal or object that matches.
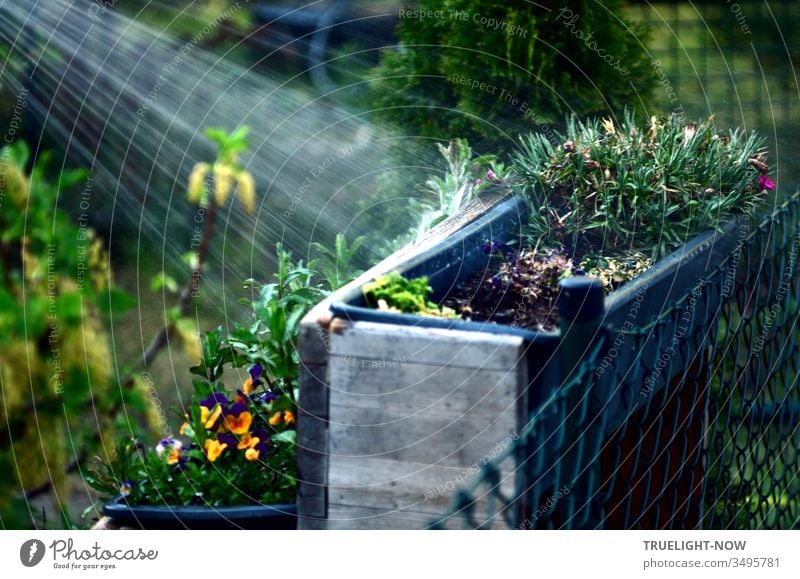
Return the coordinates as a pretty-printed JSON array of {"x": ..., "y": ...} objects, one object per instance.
[{"x": 130, "y": 104}]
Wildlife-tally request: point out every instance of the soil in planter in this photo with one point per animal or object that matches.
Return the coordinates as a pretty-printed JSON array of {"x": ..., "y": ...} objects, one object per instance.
[
  {"x": 516, "y": 290},
  {"x": 521, "y": 289}
]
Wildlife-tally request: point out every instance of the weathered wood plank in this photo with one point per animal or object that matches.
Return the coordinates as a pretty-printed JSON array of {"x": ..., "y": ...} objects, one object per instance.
[
  {"x": 312, "y": 465},
  {"x": 313, "y": 397},
  {"x": 413, "y": 389},
  {"x": 476, "y": 382},
  {"x": 381, "y": 483},
  {"x": 314, "y": 339},
  {"x": 347, "y": 517},
  {"x": 426, "y": 439},
  {"x": 404, "y": 434},
  {"x": 452, "y": 348}
]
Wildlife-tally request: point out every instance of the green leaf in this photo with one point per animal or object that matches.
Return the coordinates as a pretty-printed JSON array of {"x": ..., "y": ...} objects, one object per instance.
[
  {"x": 163, "y": 280},
  {"x": 116, "y": 301},
  {"x": 287, "y": 437}
]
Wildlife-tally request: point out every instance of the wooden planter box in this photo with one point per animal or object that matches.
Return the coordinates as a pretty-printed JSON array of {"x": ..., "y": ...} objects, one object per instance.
[{"x": 397, "y": 412}]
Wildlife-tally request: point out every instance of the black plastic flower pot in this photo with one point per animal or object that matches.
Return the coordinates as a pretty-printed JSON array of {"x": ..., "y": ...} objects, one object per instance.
[
  {"x": 274, "y": 517},
  {"x": 396, "y": 408}
]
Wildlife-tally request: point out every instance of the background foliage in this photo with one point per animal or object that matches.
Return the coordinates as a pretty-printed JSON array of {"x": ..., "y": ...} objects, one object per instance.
[
  {"x": 55, "y": 362},
  {"x": 541, "y": 63}
]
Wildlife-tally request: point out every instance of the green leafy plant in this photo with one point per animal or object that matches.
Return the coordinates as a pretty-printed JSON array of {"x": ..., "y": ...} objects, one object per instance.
[
  {"x": 227, "y": 173},
  {"x": 462, "y": 181},
  {"x": 612, "y": 188},
  {"x": 247, "y": 435},
  {"x": 338, "y": 265},
  {"x": 271, "y": 337},
  {"x": 455, "y": 74},
  {"x": 393, "y": 292}
]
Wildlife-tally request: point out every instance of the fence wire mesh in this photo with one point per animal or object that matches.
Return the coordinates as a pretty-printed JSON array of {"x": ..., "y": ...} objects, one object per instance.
[{"x": 689, "y": 420}]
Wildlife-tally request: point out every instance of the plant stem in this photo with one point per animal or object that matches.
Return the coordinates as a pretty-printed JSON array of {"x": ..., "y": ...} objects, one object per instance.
[{"x": 162, "y": 337}]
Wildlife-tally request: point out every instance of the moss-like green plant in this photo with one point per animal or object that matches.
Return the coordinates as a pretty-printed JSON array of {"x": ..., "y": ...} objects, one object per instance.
[
  {"x": 610, "y": 188},
  {"x": 393, "y": 292},
  {"x": 486, "y": 69}
]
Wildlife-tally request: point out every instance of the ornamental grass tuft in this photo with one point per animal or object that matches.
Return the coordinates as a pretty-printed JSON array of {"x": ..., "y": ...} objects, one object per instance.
[{"x": 613, "y": 188}]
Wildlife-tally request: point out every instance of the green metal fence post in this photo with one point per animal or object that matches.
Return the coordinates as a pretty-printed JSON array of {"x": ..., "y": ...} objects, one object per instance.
[{"x": 581, "y": 311}]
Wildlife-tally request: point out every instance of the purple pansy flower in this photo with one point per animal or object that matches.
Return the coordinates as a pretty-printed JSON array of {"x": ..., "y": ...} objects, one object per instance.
[
  {"x": 255, "y": 372},
  {"x": 235, "y": 409},
  {"x": 267, "y": 397},
  {"x": 263, "y": 440},
  {"x": 490, "y": 247},
  {"x": 166, "y": 444},
  {"x": 214, "y": 399},
  {"x": 228, "y": 439}
]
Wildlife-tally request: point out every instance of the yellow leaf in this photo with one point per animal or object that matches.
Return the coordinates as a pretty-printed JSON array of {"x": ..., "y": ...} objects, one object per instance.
[
  {"x": 197, "y": 183},
  {"x": 247, "y": 191},
  {"x": 223, "y": 181}
]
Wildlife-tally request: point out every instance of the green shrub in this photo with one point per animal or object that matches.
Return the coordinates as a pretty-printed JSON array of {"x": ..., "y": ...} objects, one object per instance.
[
  {"x": 476, "y": 68},
  {"x": 611, "y": 188},
  {"x": 56, "y": 291}
]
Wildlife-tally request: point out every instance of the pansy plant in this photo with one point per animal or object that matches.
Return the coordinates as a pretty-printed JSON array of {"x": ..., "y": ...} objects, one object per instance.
[
  {"x": 237, "y": 441},
  {"x": 235, "y": 447}
]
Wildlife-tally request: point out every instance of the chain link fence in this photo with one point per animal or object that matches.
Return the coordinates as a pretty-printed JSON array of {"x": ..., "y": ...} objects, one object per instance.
[{"x": 687, "y": 420}]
